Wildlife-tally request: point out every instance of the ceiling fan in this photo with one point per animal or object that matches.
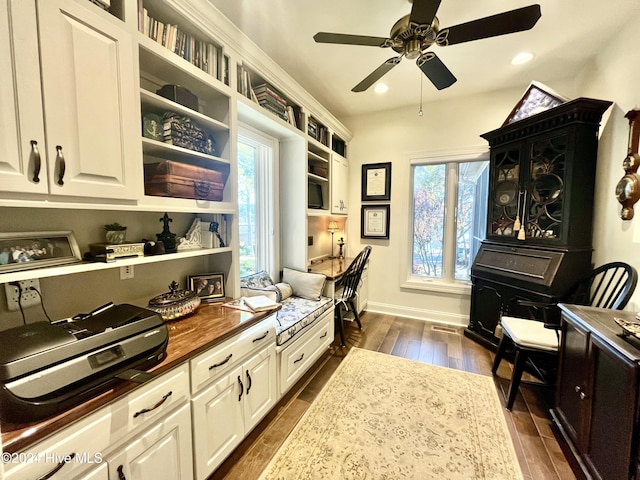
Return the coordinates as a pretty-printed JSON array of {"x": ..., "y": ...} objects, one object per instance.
[{"x": 413, "y": 34}]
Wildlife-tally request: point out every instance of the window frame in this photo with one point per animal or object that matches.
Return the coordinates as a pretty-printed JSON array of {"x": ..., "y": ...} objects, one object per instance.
[
  {"x": 448, "y": 283},
  {"x": 267, "y": 256}
]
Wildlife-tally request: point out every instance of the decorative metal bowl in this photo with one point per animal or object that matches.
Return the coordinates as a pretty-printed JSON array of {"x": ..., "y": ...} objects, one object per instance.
[{"x": 175, "y": 303}]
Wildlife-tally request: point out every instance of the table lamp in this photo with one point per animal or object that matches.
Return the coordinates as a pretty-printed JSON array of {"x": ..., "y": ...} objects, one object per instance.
[{"x": 333, "y": 228}]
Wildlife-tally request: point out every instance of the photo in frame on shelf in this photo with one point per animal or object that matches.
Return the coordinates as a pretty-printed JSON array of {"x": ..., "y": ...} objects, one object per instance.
[
  {"x": 209, "y": 287},
  {"x": 375, "y": 221},
  {"x": 27, "y": 250},
  {"x": 376, "y": 182}
]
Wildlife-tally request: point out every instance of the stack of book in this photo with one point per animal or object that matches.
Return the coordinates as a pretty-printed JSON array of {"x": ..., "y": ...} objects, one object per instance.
[
  {"x": 204, "y": 55},
  {"x": 268, "y": 98},
  {"x": 182, "y": 132}
]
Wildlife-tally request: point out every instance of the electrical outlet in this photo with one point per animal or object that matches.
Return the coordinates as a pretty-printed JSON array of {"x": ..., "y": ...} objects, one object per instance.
[
  {"x": 126, "y": 272},
  {"x": 29, "y": 298}
]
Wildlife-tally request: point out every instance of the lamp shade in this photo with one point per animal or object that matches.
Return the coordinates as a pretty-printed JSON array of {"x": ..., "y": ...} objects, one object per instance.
[{"x": 333, "y": 226}]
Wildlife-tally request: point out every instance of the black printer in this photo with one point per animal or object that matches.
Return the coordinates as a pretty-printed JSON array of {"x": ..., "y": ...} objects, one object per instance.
[{"x": 48, "y": 367}]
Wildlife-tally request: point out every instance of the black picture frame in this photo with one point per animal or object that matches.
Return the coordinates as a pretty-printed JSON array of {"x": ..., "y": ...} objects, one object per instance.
[
  {"x": 27, "y": 250},
  {"x": 375, "y": 221},
  {"x": 208, "y": 286},
  {"x": 376, "y": 182}
]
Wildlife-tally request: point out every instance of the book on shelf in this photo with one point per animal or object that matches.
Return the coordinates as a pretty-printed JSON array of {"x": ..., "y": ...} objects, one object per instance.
[
  {"x": 202, "y": 54},
  {"x": 260, "y": 303}
]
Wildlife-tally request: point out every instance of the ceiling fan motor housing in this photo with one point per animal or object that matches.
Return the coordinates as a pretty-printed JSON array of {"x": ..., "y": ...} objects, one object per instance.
[{"x": 410, "y": 38}]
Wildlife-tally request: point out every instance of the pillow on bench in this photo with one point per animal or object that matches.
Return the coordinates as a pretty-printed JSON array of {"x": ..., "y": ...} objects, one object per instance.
[{"x": 304, "y": 284}]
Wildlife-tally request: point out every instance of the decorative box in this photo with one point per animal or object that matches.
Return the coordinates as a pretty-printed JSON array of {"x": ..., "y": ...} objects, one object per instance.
[
  {"x": 181, "y": 180},
  {"x": 180, "y": 95},
  {"x": 183, "y": 132},
  {"x": 108, "y": 252}
]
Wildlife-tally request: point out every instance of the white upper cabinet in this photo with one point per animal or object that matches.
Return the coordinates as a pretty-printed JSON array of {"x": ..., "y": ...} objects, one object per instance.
[
  {"x": 22, "y": 133},
  {"x": 89, "y": 99}
]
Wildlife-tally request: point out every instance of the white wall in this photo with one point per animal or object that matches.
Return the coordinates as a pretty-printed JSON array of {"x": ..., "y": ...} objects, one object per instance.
[{"x": 455, "y": 125}]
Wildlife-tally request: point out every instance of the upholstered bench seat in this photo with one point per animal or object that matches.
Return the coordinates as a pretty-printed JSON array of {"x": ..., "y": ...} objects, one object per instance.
[
  {"x": 300, "y": 295},
  {"x": 296, "y": 314}
]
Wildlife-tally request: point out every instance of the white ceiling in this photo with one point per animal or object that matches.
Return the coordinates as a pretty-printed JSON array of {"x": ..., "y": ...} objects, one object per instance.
[{"x": 567, "y": 36}]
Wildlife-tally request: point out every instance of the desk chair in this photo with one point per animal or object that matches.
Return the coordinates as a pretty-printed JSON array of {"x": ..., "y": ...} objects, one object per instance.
[
  {"x": 608, "y": 286},
  {"x": 346, "y": 291}
]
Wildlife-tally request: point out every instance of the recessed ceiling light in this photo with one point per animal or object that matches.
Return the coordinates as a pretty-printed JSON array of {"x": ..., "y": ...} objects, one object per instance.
[
  {"x": 381, "y": 88},
  {"x": 522, "y": 57}
]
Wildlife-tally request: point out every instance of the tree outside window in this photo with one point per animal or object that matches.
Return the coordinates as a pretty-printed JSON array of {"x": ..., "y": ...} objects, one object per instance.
[{"x": 448, "y": 223}]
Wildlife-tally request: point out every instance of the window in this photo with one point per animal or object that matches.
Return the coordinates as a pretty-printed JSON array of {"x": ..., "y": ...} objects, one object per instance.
[
  {"x": 256, "y": 202},
  {"x": 448, "y": 205}
]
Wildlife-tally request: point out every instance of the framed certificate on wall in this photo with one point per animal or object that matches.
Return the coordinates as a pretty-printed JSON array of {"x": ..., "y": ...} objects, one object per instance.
[
  {"x": 374, "y": 221},
  {"x": 376, "y": 181}
]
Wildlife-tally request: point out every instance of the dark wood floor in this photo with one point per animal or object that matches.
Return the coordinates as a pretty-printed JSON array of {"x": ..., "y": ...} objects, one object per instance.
[{"x": 538, "y": 451}]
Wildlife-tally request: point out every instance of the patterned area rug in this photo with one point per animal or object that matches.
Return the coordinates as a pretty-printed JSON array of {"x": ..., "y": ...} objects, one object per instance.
[{"x": 385, "y": 417}]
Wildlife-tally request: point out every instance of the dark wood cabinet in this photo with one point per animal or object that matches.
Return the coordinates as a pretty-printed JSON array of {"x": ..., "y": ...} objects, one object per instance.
[
  {"x": 543, "y": 176},
  {"x": 540, "y": 205},
  {"x": 596, "y": 408}
]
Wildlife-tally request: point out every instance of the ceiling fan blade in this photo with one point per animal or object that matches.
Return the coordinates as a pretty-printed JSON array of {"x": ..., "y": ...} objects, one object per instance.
[
  {"x": 435, "y": 70},
  {"x": 508, "y": 22},
  {"x": 377, "y": 74},
  {"x": 424, "y": 11},
  {"x": 346, "y": 39}
]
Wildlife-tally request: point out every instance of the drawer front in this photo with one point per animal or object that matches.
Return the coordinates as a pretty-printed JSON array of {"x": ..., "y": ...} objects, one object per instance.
[
  {"x": 155, "y": 398},
  {"x": 230, "y": 353},
  {"x": 68, "y": 452},
  {"x": 296, "y": 360}
]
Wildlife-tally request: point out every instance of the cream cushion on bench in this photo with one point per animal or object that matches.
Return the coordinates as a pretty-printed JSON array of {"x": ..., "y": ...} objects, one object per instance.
[{"x": 302, "y": 300}]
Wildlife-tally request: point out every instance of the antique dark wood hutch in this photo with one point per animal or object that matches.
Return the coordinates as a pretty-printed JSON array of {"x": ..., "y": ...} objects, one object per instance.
[{"x": 540, "y": 210}]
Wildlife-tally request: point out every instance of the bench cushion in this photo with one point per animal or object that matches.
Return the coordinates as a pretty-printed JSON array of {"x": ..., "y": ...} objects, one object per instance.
[{"x": 296, "y": 314}]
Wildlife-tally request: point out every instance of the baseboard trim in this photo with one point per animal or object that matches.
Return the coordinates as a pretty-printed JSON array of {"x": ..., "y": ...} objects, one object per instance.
[{"x": 434, "y": 316}]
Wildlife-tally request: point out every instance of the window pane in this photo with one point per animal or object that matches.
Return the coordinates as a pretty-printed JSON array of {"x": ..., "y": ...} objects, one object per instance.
[
  {"x": 247, "y": 208},
  {"x": 428, "y": 219},
  {"x": 471, "y": 194}
]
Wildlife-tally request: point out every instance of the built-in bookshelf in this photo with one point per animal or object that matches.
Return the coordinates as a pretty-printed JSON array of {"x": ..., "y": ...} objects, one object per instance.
[
  {"x": 317, "y": 130},
  {"x": 174, "y": 34},
  {"x": 338, "y": 145},
  {"x": 264, "y": 93}
]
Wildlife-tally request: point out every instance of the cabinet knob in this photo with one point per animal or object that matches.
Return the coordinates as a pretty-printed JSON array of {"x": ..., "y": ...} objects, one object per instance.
[
  {"x": 583, "y": 395},
  {"x": 578, "y": 389}
]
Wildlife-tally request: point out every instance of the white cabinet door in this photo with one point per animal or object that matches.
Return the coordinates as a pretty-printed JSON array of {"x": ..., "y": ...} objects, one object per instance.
[
  {"x": 22, "y": 133},
  {"x": 218, "y": 424},
  {"x": 339, "y": 184},
  {"x": 260, "y": 386},
  {"x": 89, "y": 91},
  {"x": 162, "y": 451}
]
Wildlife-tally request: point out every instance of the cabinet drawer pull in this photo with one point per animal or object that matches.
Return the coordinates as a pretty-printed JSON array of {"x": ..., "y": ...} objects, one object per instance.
[
  {"x": 300, "y": 359},
  {"x": 241, "y": 388},
  {"x": 250, "y": 382},
  {"x": 121, "y": 473},
  {"x": 147, "y": 410},
  {"x": 57, "y": 468},
  {"x": 324, "y": 335},
  {"x": 262, "y": 337},
  {"x": 582, "y": 395},
  {"x": 61, "y": 164},
  {"x": 222, "y": 362},
  {"x": 37, "y": 163}
]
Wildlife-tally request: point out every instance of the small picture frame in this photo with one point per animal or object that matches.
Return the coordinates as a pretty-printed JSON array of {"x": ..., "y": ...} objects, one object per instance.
[
  {"x": 208, "y": 286},
  {"x": 27, "y": 250},
  {"x": 374, "y": 221},
  {"x": 152, "y": 127},
  {"x": 376, "y": 182}
]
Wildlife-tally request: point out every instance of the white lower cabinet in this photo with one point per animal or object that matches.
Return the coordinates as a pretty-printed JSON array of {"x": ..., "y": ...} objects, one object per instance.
[
  {"x": 101, "y": 472},
  {"x": 163, "y": 450},
  {"x": 226, "y": 410}
]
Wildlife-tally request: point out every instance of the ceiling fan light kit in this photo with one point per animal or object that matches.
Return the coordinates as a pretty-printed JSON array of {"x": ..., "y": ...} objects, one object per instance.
[{"x": 413, "y": 35}]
